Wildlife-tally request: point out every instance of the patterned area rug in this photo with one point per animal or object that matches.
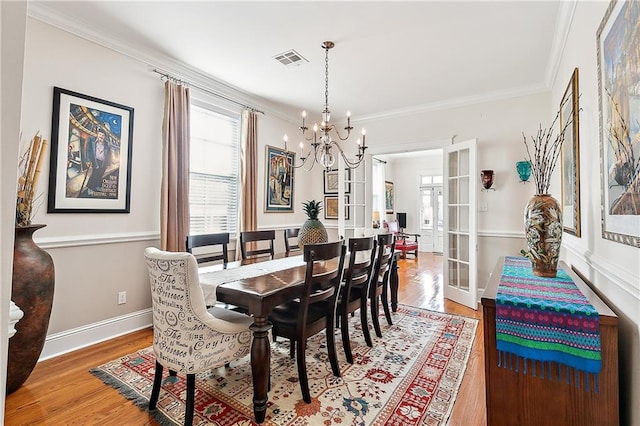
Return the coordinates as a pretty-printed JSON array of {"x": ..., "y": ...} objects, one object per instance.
[{"x": 410, "y": 377}]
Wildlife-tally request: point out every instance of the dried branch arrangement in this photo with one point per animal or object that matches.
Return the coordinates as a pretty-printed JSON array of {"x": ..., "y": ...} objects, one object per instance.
[
  {"x": 29, "y": 172},
  {"x": 546, "y": 150}
]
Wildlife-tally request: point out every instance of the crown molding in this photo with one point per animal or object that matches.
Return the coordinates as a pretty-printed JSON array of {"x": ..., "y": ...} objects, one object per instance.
[
  {"x": 561, "y": 34},
  {"x": 457, "y": 102},
  {"x": 154, "y": 60}
]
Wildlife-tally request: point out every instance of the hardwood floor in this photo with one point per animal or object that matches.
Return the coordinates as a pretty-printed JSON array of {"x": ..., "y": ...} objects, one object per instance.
[{"x": 61, "y": 391}]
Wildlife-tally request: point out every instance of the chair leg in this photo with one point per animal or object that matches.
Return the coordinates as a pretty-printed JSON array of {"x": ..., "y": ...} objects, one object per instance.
[
  {"x": 385, "y": 305},
  {"x": 365, "y": 322},
  {"x": 374, "y": 316},
  {"x": 331, "y": 346},
  {"x": 292, "y": 348},
  {"x": 346, "y": 344},
  {"x": 191, "y": 391},
  {"x": 157, "y": 383},
  {"x": 302, "y": 371}
]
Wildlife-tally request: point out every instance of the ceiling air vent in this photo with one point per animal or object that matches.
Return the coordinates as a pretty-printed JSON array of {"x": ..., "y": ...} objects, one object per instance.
[{"x": 290, "y": 58}]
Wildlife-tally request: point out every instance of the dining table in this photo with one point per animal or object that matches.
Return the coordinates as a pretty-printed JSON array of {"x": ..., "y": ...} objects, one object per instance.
[{"x": 256, "y": 288}]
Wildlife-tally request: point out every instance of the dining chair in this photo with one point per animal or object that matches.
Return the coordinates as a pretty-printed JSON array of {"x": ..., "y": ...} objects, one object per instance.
[
  {"x": 203, "y": 339},
  {"x": 253, "y": 237},
  {"x": 291, "y": 233},
  {"x": 354, "y": 292},
  {"x": 315, "y": 310},
  {"x": 209, "y": 241},
  {"x": 379, "y": 284}
]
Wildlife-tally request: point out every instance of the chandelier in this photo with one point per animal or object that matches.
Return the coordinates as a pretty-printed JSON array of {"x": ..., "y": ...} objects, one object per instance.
[{"x": 323, "y": 143}]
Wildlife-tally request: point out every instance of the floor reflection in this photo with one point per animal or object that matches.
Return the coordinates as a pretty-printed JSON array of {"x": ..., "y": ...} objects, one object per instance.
[{"x": 421, "y": 281}]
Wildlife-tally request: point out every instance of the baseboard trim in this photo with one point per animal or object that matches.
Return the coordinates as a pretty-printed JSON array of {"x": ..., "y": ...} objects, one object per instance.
[{"x": 77, "y": 338}]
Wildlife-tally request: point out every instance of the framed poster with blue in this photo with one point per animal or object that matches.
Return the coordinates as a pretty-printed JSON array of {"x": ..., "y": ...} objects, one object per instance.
[
  {"x": 279, "y": 180},
  {"x": 618, "y": 81},
  {"x": 90, "y": 162}
]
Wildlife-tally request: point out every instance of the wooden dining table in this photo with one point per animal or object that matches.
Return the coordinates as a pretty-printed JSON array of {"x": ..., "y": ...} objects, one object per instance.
[{"x": 257, "y": 288}]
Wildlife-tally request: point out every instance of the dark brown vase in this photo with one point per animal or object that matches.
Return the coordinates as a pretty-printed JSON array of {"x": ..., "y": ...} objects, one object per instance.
[
  {"x": 32, "y": 290},
  {"x": 543, "y": 229}
]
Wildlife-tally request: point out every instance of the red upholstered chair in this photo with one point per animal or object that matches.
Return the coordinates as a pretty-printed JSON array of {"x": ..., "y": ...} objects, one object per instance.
[{"x": 405, "y": 242}]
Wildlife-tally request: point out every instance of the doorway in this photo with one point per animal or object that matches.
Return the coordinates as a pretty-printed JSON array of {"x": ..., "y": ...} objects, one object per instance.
[{"x": 431, "y": 213}]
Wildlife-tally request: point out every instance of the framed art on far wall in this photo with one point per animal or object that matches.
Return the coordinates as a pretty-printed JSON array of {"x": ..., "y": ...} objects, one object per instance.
[
  {"x": 279, "y": 180},
  {"x": 618, "y": 83},
  {"x": 331, "y": 207},
  {"x": 90, "y": 163},
  {"x": 570, "y": 157},
  {"x": 388, "y": 197},
  {"x": 331, "y": 181}
]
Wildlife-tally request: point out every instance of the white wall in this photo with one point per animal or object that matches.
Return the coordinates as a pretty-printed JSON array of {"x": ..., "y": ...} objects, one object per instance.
[{"x": 613, "y": 268}]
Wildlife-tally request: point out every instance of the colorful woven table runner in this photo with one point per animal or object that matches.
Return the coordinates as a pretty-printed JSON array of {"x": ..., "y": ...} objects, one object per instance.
[{"x": 546, "y": 320}]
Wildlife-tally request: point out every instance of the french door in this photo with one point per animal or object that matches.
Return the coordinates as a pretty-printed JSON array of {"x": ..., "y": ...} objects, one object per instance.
[{"x": 460, "y": 223}]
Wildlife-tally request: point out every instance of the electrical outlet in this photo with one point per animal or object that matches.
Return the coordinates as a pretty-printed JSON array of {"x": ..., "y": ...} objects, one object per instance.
[
  {"x": 122, "y": 298},
  {"x": 483, "y": 207}
]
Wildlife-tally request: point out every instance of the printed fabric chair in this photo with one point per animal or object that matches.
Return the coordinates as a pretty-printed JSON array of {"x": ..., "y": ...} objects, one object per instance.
[
  {"x": 354, "y": 292},
  {"x": 315, "y": 310},
  {"x": 209, "y": 241},
  {"x": 250, "y": 238},
  {"x": 188, "y": 338},
  {"x": 379, "y": 285}
]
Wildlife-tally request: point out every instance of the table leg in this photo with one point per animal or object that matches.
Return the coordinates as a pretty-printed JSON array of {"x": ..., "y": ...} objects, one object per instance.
[
  {"x": 394, "y": 283},
  {"x": 260, "y": 366}
]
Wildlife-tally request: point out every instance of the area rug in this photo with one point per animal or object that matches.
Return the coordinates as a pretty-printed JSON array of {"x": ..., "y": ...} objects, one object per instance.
[{"x": 411, "y": 376}]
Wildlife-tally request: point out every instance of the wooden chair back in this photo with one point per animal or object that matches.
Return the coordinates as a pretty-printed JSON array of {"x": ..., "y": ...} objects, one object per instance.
[
  {"x": 291, "y": 233},
  {"x": 209, "y": 240},
  {"x": 249, "y": 237}
]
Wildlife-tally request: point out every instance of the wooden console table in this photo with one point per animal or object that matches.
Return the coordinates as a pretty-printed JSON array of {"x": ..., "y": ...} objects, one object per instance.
[{"x": 515, "y": 398}]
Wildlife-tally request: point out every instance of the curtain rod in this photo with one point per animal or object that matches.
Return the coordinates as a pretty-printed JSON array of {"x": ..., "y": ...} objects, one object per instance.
[{"x": 204, "y": 89}]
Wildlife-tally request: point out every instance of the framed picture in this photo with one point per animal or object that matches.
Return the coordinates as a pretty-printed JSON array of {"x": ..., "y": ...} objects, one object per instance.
[
  {"x": 570, "y": 157},
  {"x": 618, "y": 82},
  {"x": 331, "y": 181},
  {"x": 331, "y": 207},
  {"x": 90, "y": 163},
  {"x": 388, "y": 196},
  {"x": 279, "y": 180}
]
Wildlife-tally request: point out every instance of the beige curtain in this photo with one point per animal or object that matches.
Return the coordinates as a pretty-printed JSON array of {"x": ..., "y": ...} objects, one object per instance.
[
  {"x": 248, "y": 175},
  {"x": 174, "y": 203}
]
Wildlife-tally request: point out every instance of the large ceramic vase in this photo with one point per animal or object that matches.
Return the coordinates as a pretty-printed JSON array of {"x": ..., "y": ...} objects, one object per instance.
[
  {"x": 543, "y": 228},
  {"x": 32, "y": 290},
  {"x": 312, "y": 232}
]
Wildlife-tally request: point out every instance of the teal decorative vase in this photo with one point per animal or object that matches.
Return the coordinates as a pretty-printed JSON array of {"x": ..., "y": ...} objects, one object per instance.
[
  {"x": 32, "y": 290},
  {"x": 543, "y": 228},
  {"x": 524, "y": 170}
]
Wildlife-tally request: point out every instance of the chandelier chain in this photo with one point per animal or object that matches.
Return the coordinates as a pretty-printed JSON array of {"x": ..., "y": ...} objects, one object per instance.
[{"x": 326, "y": 78}]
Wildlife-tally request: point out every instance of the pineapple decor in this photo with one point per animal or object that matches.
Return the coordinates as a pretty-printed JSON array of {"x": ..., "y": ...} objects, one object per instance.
[{"x": 312, "y": 231}]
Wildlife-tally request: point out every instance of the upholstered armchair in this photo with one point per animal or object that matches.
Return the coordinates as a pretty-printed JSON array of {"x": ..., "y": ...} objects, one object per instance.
[
  {"x": 405, "y": 242},
  {"x": 188, "y": 338}
]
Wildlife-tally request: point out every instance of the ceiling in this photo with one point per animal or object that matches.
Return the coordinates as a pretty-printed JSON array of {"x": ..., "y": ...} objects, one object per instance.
[{"x": 389, "y": 57}]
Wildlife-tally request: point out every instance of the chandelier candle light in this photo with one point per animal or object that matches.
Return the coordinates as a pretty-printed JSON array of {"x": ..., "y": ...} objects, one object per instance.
[{"x": 322, "y": 143}]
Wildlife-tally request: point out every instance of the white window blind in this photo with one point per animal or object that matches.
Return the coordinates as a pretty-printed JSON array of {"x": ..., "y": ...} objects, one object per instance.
[{"x": 214, "y": 185}]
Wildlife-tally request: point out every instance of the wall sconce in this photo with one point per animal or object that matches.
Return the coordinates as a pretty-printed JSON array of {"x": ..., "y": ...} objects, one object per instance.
[
  {"x": 487, "y": 179},
  {"x": 376, "y": 219},
  {"x": 524, "y": 170}
]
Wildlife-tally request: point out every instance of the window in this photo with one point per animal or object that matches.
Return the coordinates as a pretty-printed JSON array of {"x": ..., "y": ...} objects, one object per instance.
[{"x": 214, "y": 183}]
